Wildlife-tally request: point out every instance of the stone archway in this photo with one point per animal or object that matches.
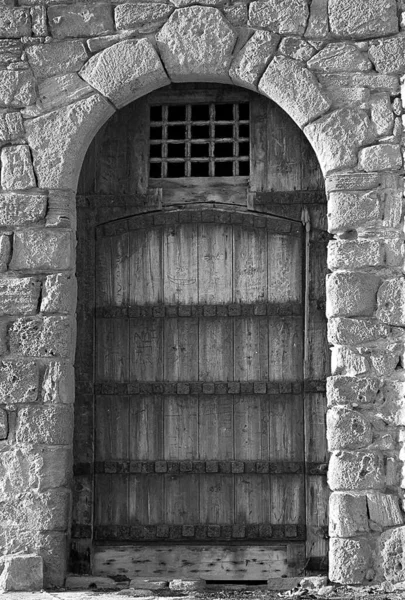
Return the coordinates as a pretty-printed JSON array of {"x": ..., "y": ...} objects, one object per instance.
[{"x": 361, "y": 161}]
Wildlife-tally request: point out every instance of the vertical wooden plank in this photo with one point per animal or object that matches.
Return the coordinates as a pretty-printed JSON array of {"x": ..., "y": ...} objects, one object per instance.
[
  {"x": 182, "y": 499},
  {"x": 146, "y": 428},
  {"x": 258, "y": 145},
  {"x": 251, "y": 416},
  {"x": 285, "y": 348},
  {"x": 215, "y": 427},
  {"x": 217, "y": 498},
  {"x": 287, "y": 499},
  {"x": 104, "y": 277},
  {"x": 317, "y": 504},
  {"x": 145, "y": 266},
  {"x": 252, "y": 498},
  {"x": 120, "y": 271},
  {"x": 137, "y": 157},
  {"x": 318, "y": 347},
  {"x": 112, "y": 342},
  {"x": 180, "y": 264},
  {"x": 112, "y": 428},
  {"x": 311, "y": 173},
  {"x": 180, "y": 352},
  {"x": 283, "y": 151},
  {"x": 251, "y": 336},
  {"x": 286, "y": 428},
  {"x": 215, "y": 345},
  {"x": 111, "y": 492},
  {"x": 250, "y": 265},
  {"x": 315, "y": 427},
  {"x": 285, "y": 255},
  {"x": 146, "y": 349},
  {"x": 146, "y": 499},
  {"x": 215, "y": 263},
  {"x": 180, "y": 428}
]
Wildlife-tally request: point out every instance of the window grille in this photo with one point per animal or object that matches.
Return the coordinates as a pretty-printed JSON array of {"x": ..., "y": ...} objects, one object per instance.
[{"x": 199, "y": 140}]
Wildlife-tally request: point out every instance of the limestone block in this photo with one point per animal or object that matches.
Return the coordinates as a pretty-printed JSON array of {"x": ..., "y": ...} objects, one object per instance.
[
  {"x": 42, "y": 249},
  {"x": 295, "y": 89},
  {"x": 374, "y": 81},
  {"x": 391, "y": 302},
  {"x": 15, "y": 22},
  {"x": 347, "y": 514},
  {"x": 353, "y": 210},
  {"x": 340, "y": 57},
  {"x": 16, "y": 168},
  {"x": 51, "y": 424},
  {"x": 382, "y": 157},
  {"x": 355, "y": 254},
  {"x": 392, "y": 548},
  {"x": 5, "y": 251},
  {"x": 350, "y": 470},
  {"x": 184, "y": 585},
  {"x": 56, "y": 58},
  {"x": 59, "y": 293},
  {"x": 105, "y": 41},
  {"x": 296, "y": 48},
  {"x": 347, "y": 429},
  {"x": 21, "y": 209},
  {"x": 38, "y": 511},
  {"x": 351, "y": 560},
  {"x": 19, "y": 296},
  {"x": 39, "y": 20},
  {"x": 50, "y": 337},
  {"x": 385, "y": 362},
  {"x": 125, "y": 71},
  {"x": 139, "y": 583},
  {"x": 22, "y": 573},
  {"x": 351, "y": 294},
  {"x": 353, "y": 390},
  {"x": 11, "y": 126},
  {"x": 352, "y": 181},
  {"x": 363, "y": 19},
  {"x": 382, "y": 116},
  {"x": 250, "y": 62},
  {"x": 388, "y": 55},
  {"x": 18, "y": 381},
  {"x": 342, "y": 330},
  {"x": 280, "y": 16},
  {"x": 318, "y": 23},
  {"x": 128, "y": 16},
  {"x": 53, "y": 547},
  {"x": 61, "y": 209},
  {"x": 80, "y": 20},
  {"x": 190, "y": 49},
  {"x": 345, "y": 361},
  {"x": 236, "y": 14},
  {"x": 58, "y": 382},
  {"x": 384, "y": 509},
  {"x": 337, "y": 137},
  {"x": 17, "y": 88},
  {"x": 61, "y": 90},
  {"x": 3, "y": 424},
  {"x": 10, "y": 52}
]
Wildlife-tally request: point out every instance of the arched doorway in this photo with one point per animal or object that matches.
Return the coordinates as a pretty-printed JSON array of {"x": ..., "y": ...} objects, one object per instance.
[{"x": 202, "y": 357}]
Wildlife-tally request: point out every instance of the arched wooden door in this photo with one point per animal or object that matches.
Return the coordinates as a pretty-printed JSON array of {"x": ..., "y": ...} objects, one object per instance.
[{"x": 201, "y": 366}]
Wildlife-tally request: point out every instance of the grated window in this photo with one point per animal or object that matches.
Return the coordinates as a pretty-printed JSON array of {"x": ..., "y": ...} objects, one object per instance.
[{"x": 199, "y": 140}]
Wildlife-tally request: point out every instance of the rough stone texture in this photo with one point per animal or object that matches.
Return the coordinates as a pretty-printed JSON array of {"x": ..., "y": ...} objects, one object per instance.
[
  {"x": 348, "y": 514},
  {"x": 10, "y": 52},
  {"x": 382, "y": 116},
  {"x": 374, "y": 81},
  {"x": 353, "y": 391},
  {"x": 19, "y": 296},
  {"x": 58, "y": 383},
  {"x": 351, "y": 294},
  {"x": 21, "y": 209},
  {"x": 282, "y": 16},
  {"x": 351, "y": 560},
  {"x": 391, "y": 302},
  {"x": 363, "y": 19},
  {"x": 337, "y": 137},
  {"x": 384, "y": 157},
  {"x": 125, "y": 71},
  {"x": 384, "y": 510},
  {"x": 15, "y": 22},
  {"x": 388, "y": 55},
  {"x": 5, "y": 252},
  {"x": 251, "y": 61},
  {"x": 347, "y": 429},
  {"x": 60, "y": 139},
  {"x": 190, "y": 50},
  {"x": 392, "y": 548},
  {"x": 356, "y": 471},
  {"x": 345, "y": 361},
  {"x": 61, "y": 90},
  {"x": 11, "y": 126},
  {"x": 236, "y": 14},
  {"x": 342, "y": 330},
  {"x": 351, "y": 210},
  {"x": 355, "y": 254},
  {"x": 51, "y": 424},
  {"x": 18, "y": 381},
  {"x": 80, "y": 20},
  {"x": 134, "y": 15},
  {"x": 17, "y": 88},
  {"x": 340, "y": 57},
  {"x": 105, "y": 41},
  {"x": 3, "y": 424},
  {"x": 42, "y": 249},
  {"x": 47, "y": 60},
  {"x": 22, "y": 573},
  {"x": 147, "y": 584},
  {"x": 295, "y": 89},
  {"x": 48, "y": 336},
  {"x": 296, "y": 48},
  {"x": 16, "y": 168},
  {"x": 59, "y": 293},
  {"x": 53, "y": 547},
  {"x": 183, "y": 585},
  {"x": 318, "y": 23}
]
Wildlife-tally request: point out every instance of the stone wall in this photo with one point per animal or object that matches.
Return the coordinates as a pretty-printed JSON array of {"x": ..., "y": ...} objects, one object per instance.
[{"x": 334, "y": 66}]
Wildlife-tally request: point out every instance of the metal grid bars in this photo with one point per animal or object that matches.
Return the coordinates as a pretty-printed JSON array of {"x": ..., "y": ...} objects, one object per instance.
[{"x": 199, "y": 140}]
